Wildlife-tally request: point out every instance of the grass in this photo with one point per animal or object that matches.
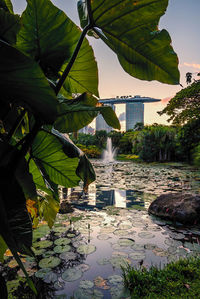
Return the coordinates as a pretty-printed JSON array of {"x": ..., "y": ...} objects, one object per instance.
[{"x": 179, "y": 279}]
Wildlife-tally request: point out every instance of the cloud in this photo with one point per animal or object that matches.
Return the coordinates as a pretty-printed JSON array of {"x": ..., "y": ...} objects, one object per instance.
[
  {"x": 194, "y": 65},
  {"x": 166, "y": 100}
]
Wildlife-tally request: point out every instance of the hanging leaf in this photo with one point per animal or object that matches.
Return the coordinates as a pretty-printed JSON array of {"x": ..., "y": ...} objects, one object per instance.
[
  {"x": 143, "y": 51},
  {"x": 85, "y": 169},
  {"x": 22, "y": 79},
  {"x": 52, "y": 43},
  {"x": 48, "y": 208},
  {"x": 47, "y": 151},
  {"x": 76, "y": 114}
]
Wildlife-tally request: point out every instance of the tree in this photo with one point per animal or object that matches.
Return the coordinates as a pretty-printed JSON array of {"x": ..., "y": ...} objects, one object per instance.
[
  {"x": 45, "y": 62},
  {"x": 185, "y": 106}
]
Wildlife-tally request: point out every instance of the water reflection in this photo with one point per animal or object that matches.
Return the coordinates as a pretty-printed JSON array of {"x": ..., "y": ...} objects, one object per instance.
[{"x": 98, "y": 197}]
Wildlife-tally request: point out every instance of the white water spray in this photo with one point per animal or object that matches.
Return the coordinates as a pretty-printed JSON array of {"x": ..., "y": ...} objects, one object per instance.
[{"x": 109, "y": 152}]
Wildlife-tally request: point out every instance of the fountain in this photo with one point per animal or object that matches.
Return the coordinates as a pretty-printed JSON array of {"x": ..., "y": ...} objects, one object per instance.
[{"x": 109, "y": 152}]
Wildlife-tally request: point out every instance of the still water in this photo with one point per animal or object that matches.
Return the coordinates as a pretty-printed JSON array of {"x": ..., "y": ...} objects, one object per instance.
[{"x": 110, "y": 228}]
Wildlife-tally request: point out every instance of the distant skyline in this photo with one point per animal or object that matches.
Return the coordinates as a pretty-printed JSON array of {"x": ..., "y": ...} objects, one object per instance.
[{"x": 181, "y": 21}]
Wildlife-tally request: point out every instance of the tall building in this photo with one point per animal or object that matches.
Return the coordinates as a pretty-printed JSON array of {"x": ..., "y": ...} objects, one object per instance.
[{"x": 134, "y": 114}]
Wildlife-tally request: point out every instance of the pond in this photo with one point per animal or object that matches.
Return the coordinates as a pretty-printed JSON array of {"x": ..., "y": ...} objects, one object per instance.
[{"x": 110, "y": 227}]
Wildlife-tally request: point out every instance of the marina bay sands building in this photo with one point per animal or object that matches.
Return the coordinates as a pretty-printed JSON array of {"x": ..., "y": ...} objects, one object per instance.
[{"x": 134, "y": 111}]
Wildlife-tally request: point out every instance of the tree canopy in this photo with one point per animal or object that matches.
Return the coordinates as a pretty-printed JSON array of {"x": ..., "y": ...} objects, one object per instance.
[{"x": 185, "y": 105}]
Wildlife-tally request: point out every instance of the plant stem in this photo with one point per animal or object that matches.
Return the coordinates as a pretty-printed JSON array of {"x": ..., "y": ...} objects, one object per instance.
[{"x": 73, "y": 58}]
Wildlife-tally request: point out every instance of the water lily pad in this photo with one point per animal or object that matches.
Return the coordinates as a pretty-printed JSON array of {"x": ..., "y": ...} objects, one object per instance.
[
  {"x": 177, "y": 236},
  {"x": 160, "y": 252},
  {"x": 107, "y": 230},
  {"x": 125, "y": 226},
  {"x": 48, "y": 253},
  {"x": 150, "y": 246},
  {"x": 68, "y": 256},
  {"x": 83, "y": 267},
  {"x": 38, "y": 251},
  {"x": 86, "y": 249},
  {"x": 72, "y": 274},
  {"x": 137, "y": 247},
  {"x": 50, "y": 277},
  {"x": 40, "y": 232},
  {"x": 118, "y": 262},
  {"x": 42, "y": 272},
  {"x": 49, "y": 262},
  {"x": 61, "y": 249},
  {"x": 115, "y": 279},
  {"x": 118, "y": 292},
  {"x": 125, "y": 242},
  {"x": 61, "y": 229},
  {"x": 120, "y": 232},
  {"x": 119, "y": 253},
  {"x": 87, "y": 294},
  {"x": 42, "y": 244},
  {"x": 146, "y": 235},
  {"x": 86, "y": 284},
  {"x": 70, "y": 235},
  {"x": 62, "y": 241},
  {"x": 137, "y": 256},
  {"x": 103, "y": 237},
  {"x": 103, "y": 261}
]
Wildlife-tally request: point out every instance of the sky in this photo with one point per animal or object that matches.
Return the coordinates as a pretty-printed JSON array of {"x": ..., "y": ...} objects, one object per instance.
[{"x": 181, "y": 20}]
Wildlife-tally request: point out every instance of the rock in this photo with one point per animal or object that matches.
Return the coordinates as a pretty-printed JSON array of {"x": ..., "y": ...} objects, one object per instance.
[{"x": 184, "y": 208}]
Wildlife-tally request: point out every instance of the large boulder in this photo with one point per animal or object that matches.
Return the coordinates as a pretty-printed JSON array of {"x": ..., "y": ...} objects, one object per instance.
[{"x": 184, "y": 208}]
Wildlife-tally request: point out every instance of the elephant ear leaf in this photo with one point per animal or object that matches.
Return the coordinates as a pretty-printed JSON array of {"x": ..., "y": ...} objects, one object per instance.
[
  {"x": 22, "y": 79},
  {"x": 143, "y": 51},
  {"x": 84, "y": 169},
  {"x": 10, "y": 25},
  {"x": 52, "y": 44},
  {"x": 76, "y": 114}
]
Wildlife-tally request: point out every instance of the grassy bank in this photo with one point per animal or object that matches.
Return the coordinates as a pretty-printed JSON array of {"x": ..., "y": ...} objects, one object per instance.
[{"x": 176, "y": 280}]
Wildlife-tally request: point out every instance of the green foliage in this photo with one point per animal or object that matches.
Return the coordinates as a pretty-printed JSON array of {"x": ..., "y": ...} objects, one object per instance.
[
  {"x": 185, "y": 106},
  {"x": 45, "y": 62},
  {"x": 189, "y": 138},
  {"x": 196, "y": 155},
  {"x": 92, "y": 151},
  {"x": 143, "y": 51},
  {"x": 177, "y": 280}
]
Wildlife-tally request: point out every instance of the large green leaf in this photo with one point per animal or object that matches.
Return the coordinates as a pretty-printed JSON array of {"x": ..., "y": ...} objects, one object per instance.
[
  {"x": 48, "y": 208},
  {"x": 50, "y": 37},
  {"x": 85, "y": 169},
  {"x": 76, "y": 114},
  {"x": 10, "y": 25},
  {"x": 83, "y": 75},
  {"x": 22, "y": 79},
  {"x": 129, "y": 28},
  {"x": 47, "y": 153}
]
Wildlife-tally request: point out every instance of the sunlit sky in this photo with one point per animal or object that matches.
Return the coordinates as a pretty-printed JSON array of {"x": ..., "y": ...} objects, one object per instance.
[{"x": 182, "y": 22}]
